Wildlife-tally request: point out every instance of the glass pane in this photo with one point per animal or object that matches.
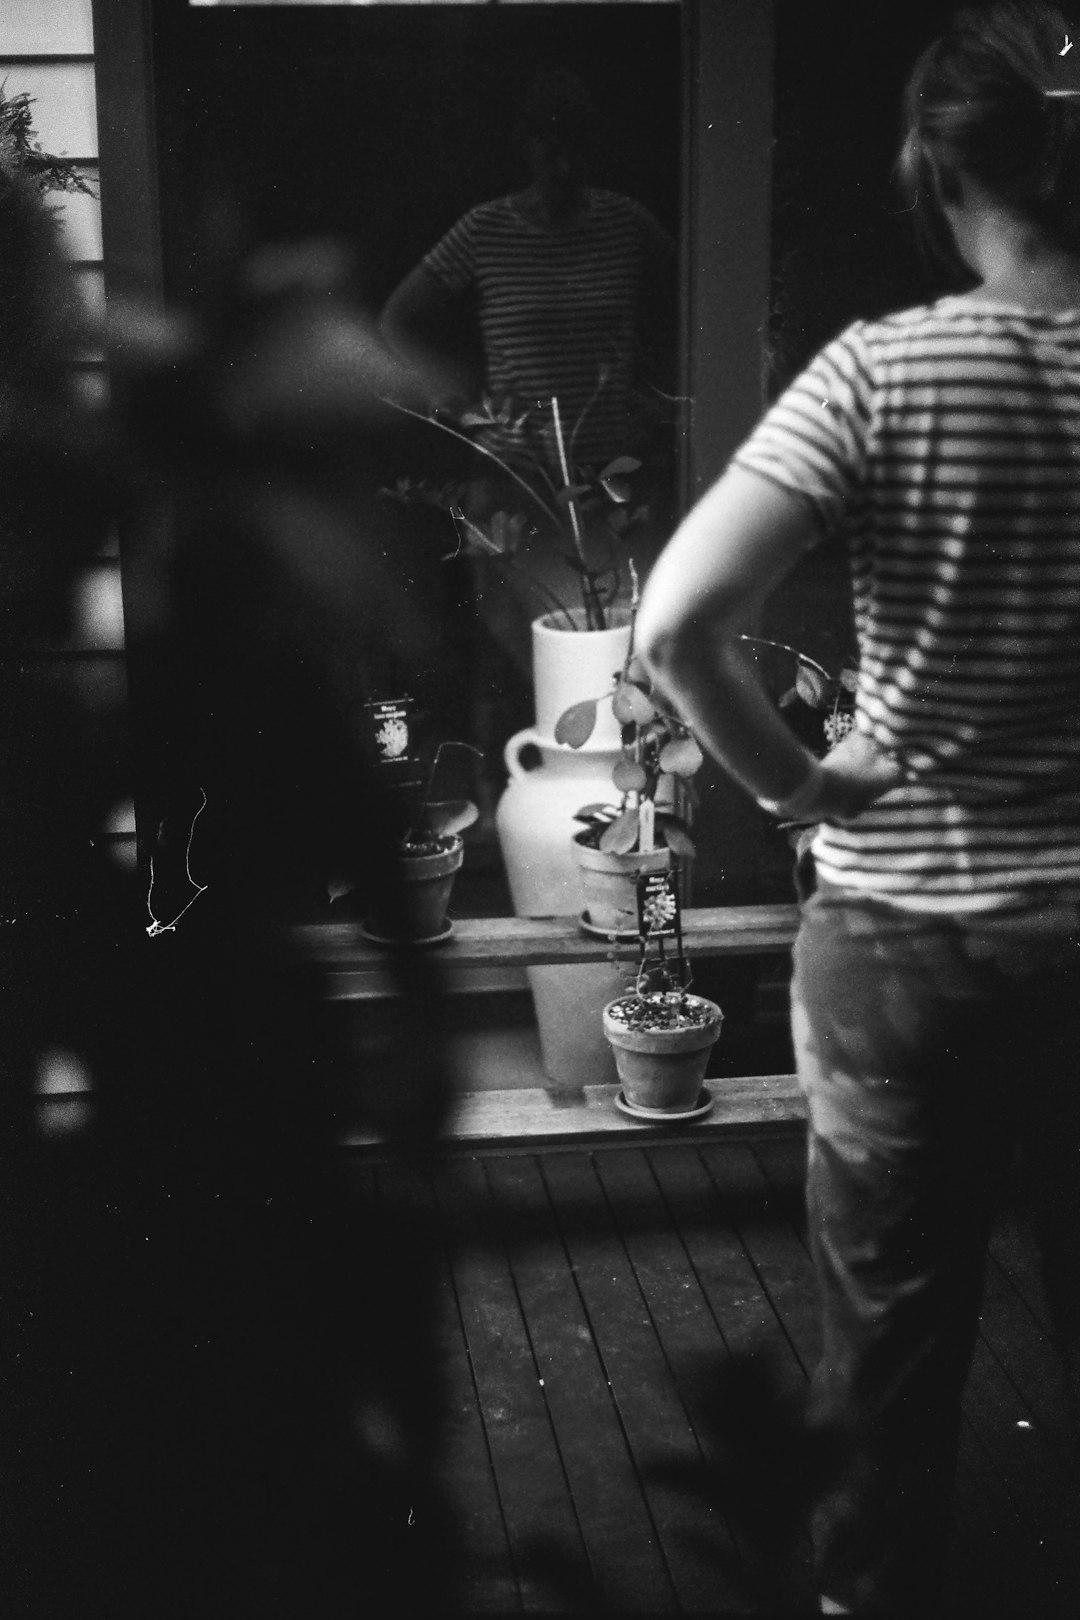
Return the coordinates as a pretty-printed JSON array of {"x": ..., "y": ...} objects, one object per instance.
[{"x": 548, "y": 333}]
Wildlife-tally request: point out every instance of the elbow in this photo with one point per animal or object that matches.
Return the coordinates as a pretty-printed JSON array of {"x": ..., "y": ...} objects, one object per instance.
[
  {"x": 688, "y": 646},
  {"x": 669, "y": 650}
]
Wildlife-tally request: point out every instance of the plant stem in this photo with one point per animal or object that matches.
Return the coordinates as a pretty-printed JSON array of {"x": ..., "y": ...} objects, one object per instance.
[
  {"x": 601, "y": 381},
  {"x": 505, "y": 561},
  {"x": 782, "y": 646},
  {"x": 482, "y": 450},
  {"x": 594, "y": 612}
]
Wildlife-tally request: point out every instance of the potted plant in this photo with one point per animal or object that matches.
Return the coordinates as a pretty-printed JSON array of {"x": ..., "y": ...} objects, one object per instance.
[
  {"x": 643, "y": 828},
  {"x": 412, "y": 907},
  {"x": 821, "y": 710},
  {"x": 661, "y": 1034},
  {"x": 537, "y": 493},
  {"x": 832, "y": 695}
]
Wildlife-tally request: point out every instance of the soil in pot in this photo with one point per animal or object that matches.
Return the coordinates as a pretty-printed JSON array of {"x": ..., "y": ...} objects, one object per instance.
[{"x": 661, "y": 1044}]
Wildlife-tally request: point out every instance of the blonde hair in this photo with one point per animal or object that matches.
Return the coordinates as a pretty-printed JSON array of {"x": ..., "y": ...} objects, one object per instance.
[{"x": 994, "y": 98}]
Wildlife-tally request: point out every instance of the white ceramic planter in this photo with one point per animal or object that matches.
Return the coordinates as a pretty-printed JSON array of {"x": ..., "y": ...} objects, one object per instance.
[
  {"x": 572, "y": 665},
  {"x": 536, "y": 826}
]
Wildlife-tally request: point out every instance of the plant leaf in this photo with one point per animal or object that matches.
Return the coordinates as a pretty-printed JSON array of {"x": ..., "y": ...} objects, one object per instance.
[
  {"x": 449, "y": 816},
  {"x": 631, "y": 704},
  {"x": 572, "y": 492},
  {"x": 621, "y": 464},
  {"x": 617, "y": 489},
  {"x": 811, "y": 686},
  {"x": 622, "y": 835},
  {"x": 596, "y": 812},
  {"x": 628, "y": 776},
  {"x": 506, "y": 530},
  {"x": 681, "y": 757},
  {"x": 675, "y": 834},
  {"x": 575, "y": 725}
]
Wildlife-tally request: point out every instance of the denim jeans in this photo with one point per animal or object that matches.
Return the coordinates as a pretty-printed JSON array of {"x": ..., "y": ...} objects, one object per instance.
[{"x": 927, "y": 1049}]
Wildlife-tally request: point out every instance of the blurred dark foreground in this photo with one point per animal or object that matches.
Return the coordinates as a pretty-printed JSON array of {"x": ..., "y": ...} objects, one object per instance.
[{"x": 219, "y": 1388}]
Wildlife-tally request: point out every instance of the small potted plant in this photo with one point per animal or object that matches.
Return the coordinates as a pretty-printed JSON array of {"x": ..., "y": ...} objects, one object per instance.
[
  {"x": 660, "y": 1034},
  {"x": 412, "y": 907},
  {"x": 813, "y": 686},
  {"x": 643, "y": 829}
]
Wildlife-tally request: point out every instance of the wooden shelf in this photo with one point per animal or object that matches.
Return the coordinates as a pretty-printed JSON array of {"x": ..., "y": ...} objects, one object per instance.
[
  {"x": 357, "y": 970},
  {"x": 354, "y": 970},
  {"x": 535, "y": 1117}
]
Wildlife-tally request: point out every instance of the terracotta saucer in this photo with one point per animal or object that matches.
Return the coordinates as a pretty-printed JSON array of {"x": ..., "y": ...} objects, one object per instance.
[
  {"x": 440, "y": 938},
  {"x": 617, "y": 935},
  {"x": 661, "y": 1116}
]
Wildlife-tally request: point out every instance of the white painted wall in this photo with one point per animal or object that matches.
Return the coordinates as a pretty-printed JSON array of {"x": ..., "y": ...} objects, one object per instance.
[
  {"x": 46, "y": 28},
  {"x": 47, "y": 51}
]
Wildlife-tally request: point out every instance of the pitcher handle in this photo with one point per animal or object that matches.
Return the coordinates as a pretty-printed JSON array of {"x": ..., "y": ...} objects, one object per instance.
[{"x": 513, "y": 750}]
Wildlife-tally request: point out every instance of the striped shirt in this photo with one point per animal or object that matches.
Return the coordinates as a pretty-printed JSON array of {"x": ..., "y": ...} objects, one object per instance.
[
  {"x": 943, "y": 442},
  {"x": 559, "y": 307}
]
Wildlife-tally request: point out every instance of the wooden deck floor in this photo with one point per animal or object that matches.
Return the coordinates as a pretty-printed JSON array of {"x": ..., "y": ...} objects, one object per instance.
[{"x": 607, "y": 1447}]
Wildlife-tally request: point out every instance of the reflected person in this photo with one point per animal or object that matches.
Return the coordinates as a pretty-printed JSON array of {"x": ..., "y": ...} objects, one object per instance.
[
  {"x": 572, "y": 285},
  {"x": 571, "y": 288}
]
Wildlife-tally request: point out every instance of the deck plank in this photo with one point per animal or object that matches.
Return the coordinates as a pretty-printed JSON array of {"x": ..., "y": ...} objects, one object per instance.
[
  {"x": 658, "y": 1430},
  {"x": 995, "y": 1572},
  {"x": 528, "y": 1470},
  {"x": 701, "y": 1365},
  {"x": 628, "y": 1568},
  {"x": 725, "y": 1271},
  {"x": 775, "y": 1247},
  {"x": 783, "y": 1163},
  {"x": 1014, "y": 1247},
  {"x": 484, "y": 1581},
  {"x": 1028, "y": 1356},
  {"x": 1039, "y": 1483},
  {"x": 629, "y": 1280}
]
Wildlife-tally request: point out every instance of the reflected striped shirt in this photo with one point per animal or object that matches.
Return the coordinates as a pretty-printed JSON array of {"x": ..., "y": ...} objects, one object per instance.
[
  {"x": 560, "y": 307},
  {"x": 943, "y": 443}
]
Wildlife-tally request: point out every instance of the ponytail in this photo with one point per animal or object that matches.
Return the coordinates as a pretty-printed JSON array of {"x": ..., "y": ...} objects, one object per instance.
[{"x": 994, "y": 99}]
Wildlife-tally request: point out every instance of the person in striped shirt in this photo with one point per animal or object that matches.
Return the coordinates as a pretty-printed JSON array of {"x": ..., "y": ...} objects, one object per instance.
[
  {"x": 936, "y": 996},
  {"x": 572, "y": 286}
]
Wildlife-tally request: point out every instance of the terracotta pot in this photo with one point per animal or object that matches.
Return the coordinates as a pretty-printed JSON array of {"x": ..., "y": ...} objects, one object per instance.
[
  {"x": 609, "y": 883},
  {"x": 422, "y": 893},
  {"x": 663, "y": 1069}
]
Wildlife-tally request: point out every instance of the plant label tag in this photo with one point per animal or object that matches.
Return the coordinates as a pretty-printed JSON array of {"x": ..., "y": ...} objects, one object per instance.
[
  {"x": 391, "y": 735},
  {"x": 658, "y": 905},
  {"x": 646, "y": 826}
]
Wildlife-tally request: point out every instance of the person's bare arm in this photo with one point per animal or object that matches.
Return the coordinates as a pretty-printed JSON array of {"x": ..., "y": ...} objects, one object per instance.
[
  {"x": 417, "y": 323},
  {"x": 732, "y": 549}
]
